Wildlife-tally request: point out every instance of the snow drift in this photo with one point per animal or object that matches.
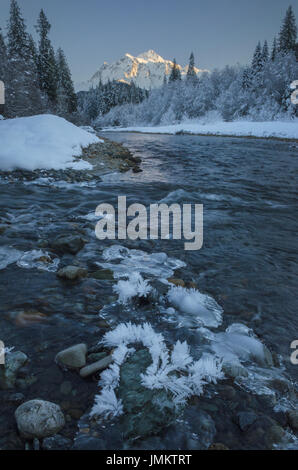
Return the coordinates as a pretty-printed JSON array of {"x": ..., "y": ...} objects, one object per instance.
[
  {"x": 42, "y": 142},
  {"x": 266, "y": 129}
]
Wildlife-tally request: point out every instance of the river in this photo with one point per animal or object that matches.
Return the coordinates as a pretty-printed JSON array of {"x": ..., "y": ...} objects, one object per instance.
[{"x": 248, "y": 264}]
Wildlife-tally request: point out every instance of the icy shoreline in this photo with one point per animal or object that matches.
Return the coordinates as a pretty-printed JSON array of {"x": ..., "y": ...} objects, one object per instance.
[{"x": 267, "y": 129}]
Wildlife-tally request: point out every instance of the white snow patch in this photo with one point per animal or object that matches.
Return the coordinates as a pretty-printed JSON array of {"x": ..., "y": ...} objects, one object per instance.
[
  {"x": 280, "y": 129},
  {"x": 43, "y": 142}
]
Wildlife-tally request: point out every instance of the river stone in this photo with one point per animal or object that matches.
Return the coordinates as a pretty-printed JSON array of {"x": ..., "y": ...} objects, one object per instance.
[
  {"x": 73, "y": 357},
  {"x": 72, "y": 272},
  {"x": 68, "y": 244},
  {"x": 39, "y": 418},
  {"x": 8, "y": 373},
  {"x": 293, "y": 419},
  {"x": 146, "y": 412},
  {"x": 246, "y": 419},
  {"x": 234, "y": 370},
  {"x": 96, "y": 366},
  {"x": 56, "y": 442}
]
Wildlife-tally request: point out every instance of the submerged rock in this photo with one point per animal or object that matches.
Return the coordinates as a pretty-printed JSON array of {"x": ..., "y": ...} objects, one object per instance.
[
  {"x": 56, "y": 442},
  {"x": 72, "y": 273},
  {"x": 68, "y": 244},
  {"x": 96, "y": 366},
  {"x": 293, "y": 419},
  {"x": 8, "y": 373},
  {"x": 246, "y": 419},
  {"x": 73, "y": 357},
  {"x": 146, "y": 411},
  {"x": 39, "y": 418}
]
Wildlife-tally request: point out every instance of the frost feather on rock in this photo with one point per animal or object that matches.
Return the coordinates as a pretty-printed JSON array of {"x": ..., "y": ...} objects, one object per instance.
[{"x": 165, "y": 371}]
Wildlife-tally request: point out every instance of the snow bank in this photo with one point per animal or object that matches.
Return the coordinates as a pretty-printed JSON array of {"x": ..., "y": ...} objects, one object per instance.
[
  {"x": 42, "y": 142},
  {"x": 280, "y": 129}
]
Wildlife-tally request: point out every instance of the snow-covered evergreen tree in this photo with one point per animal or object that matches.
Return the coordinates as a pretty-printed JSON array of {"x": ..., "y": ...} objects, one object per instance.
[
  {"x": 47, "y": 67},
  {"x": 265, "y": 53},
  {"x": 274, "y": 50},
  {"x": 66, "y": 96},
  {"x": 257, "y": 60},
  {"x": 175, "y": 73},
  {"x": 191, "y": 74},
  {"x": 23, "y": 96},
  {"x": 288, "y": 33}
]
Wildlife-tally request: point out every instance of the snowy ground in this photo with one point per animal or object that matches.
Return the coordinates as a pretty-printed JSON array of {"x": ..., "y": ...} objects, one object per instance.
[
  {"x": 43, "y": 142},
  {"x": 280, "y": 129}
]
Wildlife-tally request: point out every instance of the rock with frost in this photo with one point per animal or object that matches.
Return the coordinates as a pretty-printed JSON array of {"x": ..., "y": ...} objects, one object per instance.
[
  {"x": 73, "y": 357},
  {"x": 8, "y": 373},
  {"x": 39, "y": 419}
]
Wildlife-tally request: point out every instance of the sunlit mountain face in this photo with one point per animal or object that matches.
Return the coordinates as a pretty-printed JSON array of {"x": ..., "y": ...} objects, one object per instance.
[{"x": 146, "y": 70}]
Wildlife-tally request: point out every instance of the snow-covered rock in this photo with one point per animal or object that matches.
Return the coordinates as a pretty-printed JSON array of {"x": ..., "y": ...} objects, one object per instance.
[
  {"x": 42, "y": 142},
  {"x": 147, "y": 71}
]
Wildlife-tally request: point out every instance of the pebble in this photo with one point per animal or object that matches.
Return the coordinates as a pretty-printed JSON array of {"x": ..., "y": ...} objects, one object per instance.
[
  {"x": 73, "y": 357},
  {"x": 38, "y": 419}
]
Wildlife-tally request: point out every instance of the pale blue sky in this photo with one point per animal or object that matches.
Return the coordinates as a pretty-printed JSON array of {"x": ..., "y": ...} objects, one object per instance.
[{"x": 219, "y": 32}]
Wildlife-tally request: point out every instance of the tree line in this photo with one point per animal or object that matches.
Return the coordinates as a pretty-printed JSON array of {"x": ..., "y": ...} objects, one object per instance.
[
  {"x": 37, "y": 78},
  {"x": 259, "y": 91}
]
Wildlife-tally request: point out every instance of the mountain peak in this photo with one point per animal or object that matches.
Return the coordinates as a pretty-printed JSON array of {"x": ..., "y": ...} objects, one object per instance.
[
  {"x": 147, "y": 71},
  {"x": 150, "y": 55}
]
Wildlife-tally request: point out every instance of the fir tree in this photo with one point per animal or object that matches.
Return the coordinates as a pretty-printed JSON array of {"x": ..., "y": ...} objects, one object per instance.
[
  {"x": 66, "y": 97},
  {"x": 23, "y": 94},
  {"x": 257, "y": 61},
  {"x": 288, "y": 33},
  {"x": 265, "y": 53},
  {"x": 175, "y": 73},
  {"x": 274, "y": 50},
  {"x": 47, "y": 67},
  {"x": 191, "y": 74}
]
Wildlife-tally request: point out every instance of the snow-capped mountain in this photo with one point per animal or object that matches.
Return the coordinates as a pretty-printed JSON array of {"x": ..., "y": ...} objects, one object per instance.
[{"x": 147, "y": 70}]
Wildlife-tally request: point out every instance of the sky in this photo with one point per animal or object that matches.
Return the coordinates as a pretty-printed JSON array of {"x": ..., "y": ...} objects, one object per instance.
[{"x": 219, "y": 32}]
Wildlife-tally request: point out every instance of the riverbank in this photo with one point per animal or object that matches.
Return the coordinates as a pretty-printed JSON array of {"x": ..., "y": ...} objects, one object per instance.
[{"x": 281, "y": 130}]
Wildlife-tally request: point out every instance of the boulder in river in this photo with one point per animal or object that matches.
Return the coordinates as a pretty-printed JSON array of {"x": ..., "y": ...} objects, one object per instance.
[
  {"x": 68, "y": 244},
  {"x": 73, "y": 357},
  {"x": 39, "y": 419},
  {"x": 72, "y": 273}
]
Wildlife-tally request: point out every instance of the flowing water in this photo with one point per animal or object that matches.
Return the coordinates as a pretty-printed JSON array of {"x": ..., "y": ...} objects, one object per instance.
[{"x": 248, "y": 265}]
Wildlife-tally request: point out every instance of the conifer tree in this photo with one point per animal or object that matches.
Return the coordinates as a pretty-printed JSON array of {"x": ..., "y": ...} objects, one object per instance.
[
  {"x": 175, "y": 73},
  {"x": 257, "y": 61},
  {"x": 23, "y": 94},
  {"x": 265, "y": 53},
  {"x": 191, "y": 74},
  {"x": 47, "y": 67},
  {"x": 66, "y": 97},
  {"x": 274, "y": 50},
  {"x": 288, "y": 33}
]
